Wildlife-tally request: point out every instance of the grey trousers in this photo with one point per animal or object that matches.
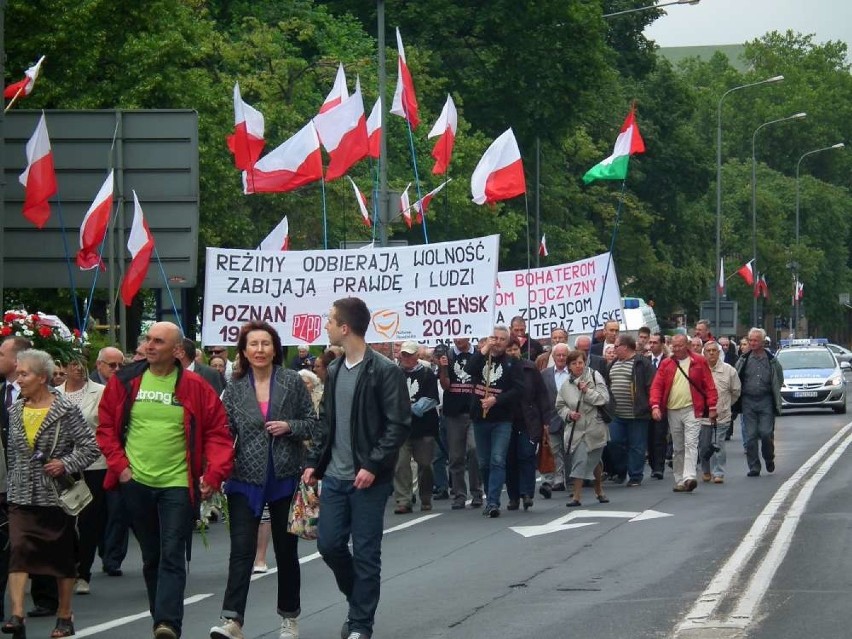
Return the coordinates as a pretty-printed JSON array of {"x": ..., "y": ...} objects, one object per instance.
[
  {"x": 759, "y": 416},
  {"x": 557, "y": 445},
  {"x": 461, "y": 452},
  {"x": 421, "y": 450}
]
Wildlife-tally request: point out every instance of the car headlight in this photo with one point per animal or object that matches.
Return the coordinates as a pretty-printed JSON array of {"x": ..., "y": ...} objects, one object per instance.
[{"x": 834, "y": 381}]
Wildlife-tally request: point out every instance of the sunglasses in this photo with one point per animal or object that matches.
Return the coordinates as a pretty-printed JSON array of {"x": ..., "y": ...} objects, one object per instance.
[{"x": 112, "y": 365}]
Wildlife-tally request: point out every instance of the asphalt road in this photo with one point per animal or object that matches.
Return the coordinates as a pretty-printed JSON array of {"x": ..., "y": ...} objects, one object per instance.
[{"x": 454, "y": 574}]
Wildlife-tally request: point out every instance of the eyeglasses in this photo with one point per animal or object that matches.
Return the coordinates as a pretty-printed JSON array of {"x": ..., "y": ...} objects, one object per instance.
[{"x": 112, "y": 365}]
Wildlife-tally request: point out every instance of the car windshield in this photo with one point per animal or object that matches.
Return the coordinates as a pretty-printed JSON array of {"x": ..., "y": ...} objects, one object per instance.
[{"x": 792, "y": 359}]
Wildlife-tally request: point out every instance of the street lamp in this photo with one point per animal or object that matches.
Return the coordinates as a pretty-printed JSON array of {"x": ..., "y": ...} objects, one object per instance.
[
  {"x": 795, "y": 116},
  {"x": 839, "y": 145},
  {"x": 652, "y": 6},
  {"x": 777, "y": 78}
]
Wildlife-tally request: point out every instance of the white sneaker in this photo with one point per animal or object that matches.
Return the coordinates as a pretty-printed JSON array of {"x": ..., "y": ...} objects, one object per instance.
[
  {"x": 358, "y": 635},
  {"x": 289, "y": 628},
  {"x": 227, "y": 629},
  {"x": 81, "y": 587}
]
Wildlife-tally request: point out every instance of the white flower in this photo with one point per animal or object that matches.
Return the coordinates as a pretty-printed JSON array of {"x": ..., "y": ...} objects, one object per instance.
[{"x": 28, "y": 333}]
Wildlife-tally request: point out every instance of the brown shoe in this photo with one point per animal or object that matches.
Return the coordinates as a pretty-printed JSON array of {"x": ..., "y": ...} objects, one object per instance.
[
  {"x": 706, "y": 477},
  {"x": 402, "y": 509},
  {"x": 718, "y": 480},
  {"x": 690, "y": 485},
  {"x": 425, "y": 507},
  {"x": 679, "y": 488}
]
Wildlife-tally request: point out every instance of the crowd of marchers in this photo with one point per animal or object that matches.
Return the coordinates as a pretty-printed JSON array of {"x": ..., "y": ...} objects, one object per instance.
[{"x": 165, "y": 441}]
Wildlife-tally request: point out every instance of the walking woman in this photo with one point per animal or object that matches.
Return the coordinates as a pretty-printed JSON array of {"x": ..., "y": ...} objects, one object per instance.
[
  {"x": 48, "y": 439},
  {"x": 270, "y": 415},
  {"x": 578, "y": 403}
]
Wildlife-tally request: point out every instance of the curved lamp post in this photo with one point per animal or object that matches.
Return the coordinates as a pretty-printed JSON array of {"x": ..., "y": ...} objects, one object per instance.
[{"x": 652, "y": 6}]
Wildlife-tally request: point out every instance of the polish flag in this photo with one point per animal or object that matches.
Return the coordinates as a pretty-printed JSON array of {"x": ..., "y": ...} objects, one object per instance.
[
  {"x": 542, "y": 246},
  {"x": 374, "y": 130},
  {"x": 405, "y": 206},
  {"x": 720, "y": 285},
  {"x": 295, "y": 163},
  {"x": 763, "y": 287},
  {"x": 39, "y": 178},
  {"x": 141, "y": 246},
  {"x": 343, "y": 132},
  {"x": 338, "y": 92},
  {"x": 746, "y": 271},
  {"x": 246, "y": 143},
  {"x": 94, "y": 227},
  {"x": 445, "y": 127},
  {"x": 422, "y": 205},
  {"x": 500, "y": 173},
  {"x": 404, "y": 100},
  {"x": 278, "y": 239},
  {"x": 362, "y": 203},
  {"x": 800, "y": 290},
  {"x": 24, "y": 87}
]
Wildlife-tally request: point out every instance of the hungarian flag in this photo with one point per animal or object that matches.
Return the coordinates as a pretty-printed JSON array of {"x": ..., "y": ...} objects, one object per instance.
[
  {"x": 24, "y": 87},
  {"x": 295, "y": 163},
  {"x": 404, "y": 100},
  {"x": 374, "y": 130},
  {"x": 500, "y": 173},
  {"x": 278, "y": 239},
  {"x": 422, "y": 205},
  {"x": 746, "y": 271},
  {"x": 338, "y": 92},
  {"x": 405, "y": 206},
  {"x": 343, "y": 132},
  {"x": 362, "y": 203},
  {"x": 39, "y": 178},
  {"x": 720, "y": 285},
  {"x": 246, "y": 143},
  {"x": 141, "y": 246},
  {"x": 629, "y": 142},
  {"x": 445, "y": 127},
  {"x": 94, "y": 227},
  {"x": 542, "y": 246}
]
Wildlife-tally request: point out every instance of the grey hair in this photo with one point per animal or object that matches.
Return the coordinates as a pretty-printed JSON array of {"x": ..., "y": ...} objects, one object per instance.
[
  {"x": 759, "y": 331},
  {"x": 41, "y": 363},
  {"x": 711, "y": 342},
  {"x": 502, "y": 327},
  {"x": 579, "y": 337}
]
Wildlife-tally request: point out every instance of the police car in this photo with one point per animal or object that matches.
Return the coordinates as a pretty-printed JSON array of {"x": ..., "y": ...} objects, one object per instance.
[{"x": 813, "y": 378}]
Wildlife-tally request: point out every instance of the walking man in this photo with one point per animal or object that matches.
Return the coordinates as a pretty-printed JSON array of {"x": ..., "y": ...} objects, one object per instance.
[{"x": 367, "y": 417}]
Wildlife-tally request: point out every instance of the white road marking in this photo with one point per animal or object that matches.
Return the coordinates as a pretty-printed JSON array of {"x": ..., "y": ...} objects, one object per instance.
[
  {"x": 700, "y": 615},
  {"x": 561, "y": 523}
]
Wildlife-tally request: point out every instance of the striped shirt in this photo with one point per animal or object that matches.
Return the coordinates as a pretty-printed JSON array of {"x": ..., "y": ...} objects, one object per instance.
[{"x": 621, "y": 387}]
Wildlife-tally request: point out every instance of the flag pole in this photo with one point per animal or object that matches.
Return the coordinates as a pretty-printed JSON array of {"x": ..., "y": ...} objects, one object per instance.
[
  {"x": 416, "y": 177},
  {"x": 168, "y": 288},
  {"x": 611, "y": 249},
  {"x": 71, "y": 279},
  {"x": 324, "y": 215},
  {"x": 374, "y": 200},
  {"x": 12, "y": 101},
  {"x": 95, "y": 279},
  {"x": 529, "y": 265}
]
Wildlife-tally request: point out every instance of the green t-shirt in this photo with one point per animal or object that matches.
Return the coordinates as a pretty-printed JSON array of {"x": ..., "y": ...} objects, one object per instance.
[{"x": 156, "y": 442}]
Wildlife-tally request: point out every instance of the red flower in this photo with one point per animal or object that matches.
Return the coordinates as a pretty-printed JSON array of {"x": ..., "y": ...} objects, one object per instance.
[
  {"x": 9, "y": 317},
  {"x": 35, "y": 319},
  {"x": 5, "y": 330},
  {"x": 45, "y": 331},
  {"x": 77, "y": 333}
]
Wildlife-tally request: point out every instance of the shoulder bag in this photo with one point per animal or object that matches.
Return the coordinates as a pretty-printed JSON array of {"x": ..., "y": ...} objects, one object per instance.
[
  {"x": 706, "y": 413},
  {"x": 75, "y": 497}
]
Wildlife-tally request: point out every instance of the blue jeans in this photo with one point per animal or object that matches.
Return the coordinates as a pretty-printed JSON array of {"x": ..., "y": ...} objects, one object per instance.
[
  {"x": 520, "y": 466},
  {"x": 492, "y": 447},
  {"x": 359, "y": 513},
  {"x": 759, "y": 414},
  {"x": 162, "y": 520},
  {"x": 628, "y": 441}
]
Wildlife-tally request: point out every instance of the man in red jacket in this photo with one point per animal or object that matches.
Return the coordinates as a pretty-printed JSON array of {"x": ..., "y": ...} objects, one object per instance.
[
  {"x": 684, "y": 389},
  {"x": 158, "y": 424}
]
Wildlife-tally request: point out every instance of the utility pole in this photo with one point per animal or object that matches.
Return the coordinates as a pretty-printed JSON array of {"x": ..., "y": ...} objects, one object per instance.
[{"x": 384, "y": 197}]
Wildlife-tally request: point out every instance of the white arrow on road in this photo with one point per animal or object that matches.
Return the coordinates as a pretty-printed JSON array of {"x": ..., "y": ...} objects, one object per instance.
[{"x": 560, "y": 524}]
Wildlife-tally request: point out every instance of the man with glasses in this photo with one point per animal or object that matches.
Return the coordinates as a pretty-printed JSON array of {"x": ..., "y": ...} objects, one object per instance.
[
  {"x": 110, "y": 359},
  {"x": 222, "y": 352}
]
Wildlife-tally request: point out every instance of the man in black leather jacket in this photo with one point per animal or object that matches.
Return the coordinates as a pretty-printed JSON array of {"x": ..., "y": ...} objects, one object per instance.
[{"x": 366, "y": 418}]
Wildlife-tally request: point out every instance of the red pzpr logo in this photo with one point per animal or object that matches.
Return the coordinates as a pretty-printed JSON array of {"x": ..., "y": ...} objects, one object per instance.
[{"x": 307, "y": 327}]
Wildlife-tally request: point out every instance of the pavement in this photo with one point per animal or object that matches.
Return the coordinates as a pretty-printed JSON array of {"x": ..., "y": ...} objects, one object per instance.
[{"x": 779, "y": 545}]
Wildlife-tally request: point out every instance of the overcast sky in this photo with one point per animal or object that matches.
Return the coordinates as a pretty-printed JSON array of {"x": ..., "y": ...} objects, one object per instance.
[{"x": 736, "y": 21}]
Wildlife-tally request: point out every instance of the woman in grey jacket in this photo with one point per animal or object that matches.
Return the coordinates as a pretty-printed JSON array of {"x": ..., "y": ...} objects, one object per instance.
[
  {"x": 579, "y": 403},
  {"x": 271, "y": 416},
  {"x": 48, "y": 439}
]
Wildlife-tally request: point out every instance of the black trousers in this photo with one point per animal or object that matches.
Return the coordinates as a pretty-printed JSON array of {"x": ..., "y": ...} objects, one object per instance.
[
  {"x": 657, "y": 434},
  {"x": 91, "y": 524}
]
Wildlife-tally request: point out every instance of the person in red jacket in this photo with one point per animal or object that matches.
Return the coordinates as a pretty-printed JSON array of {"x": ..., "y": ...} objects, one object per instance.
[
  {"x": 683, "y": 388},
  {"x": 164, "y": 433}
]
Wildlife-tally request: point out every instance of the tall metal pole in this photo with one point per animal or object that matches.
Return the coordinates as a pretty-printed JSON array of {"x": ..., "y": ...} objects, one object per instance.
[
  {"x": 777, "y": 78},
  {"x": 795, "y": 116},
  {"x": 2, "y": 158},
  {"x": 538, "y": 197},
  {"x": 651, "y": 6},
  {"x": 384, "y": 196}
]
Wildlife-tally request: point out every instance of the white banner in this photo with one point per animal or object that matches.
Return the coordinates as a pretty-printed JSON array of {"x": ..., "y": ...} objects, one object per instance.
[
  {"x": 566, "y": 296},
  {"x": 425, "y": 293}
]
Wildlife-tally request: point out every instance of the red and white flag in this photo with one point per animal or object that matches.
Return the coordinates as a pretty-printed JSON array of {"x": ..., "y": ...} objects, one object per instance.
[
  {"x": 94, "y": 227},
  {"x": 445, "y": 127},
  {"x": 405, "y": 206},
  {"x": 404, "y": 100},
  {"x": 24, "y": 87},
  {"x": 542, "y": 246},
  {"x": 374, "y": 130},
  {"x": 422, "y": 205},
  {"x": 295, "y": 163},
  {"x": 762, "y": 289},
  {"x": 343, "y": 133},
  {"x": 39, "y": 178},
  {"x": 141, "y": 247},
  {"x": 800, "y": 290},
  {"x": 720, "y": 285},
  {"x": 362, "y": 203},
  {"x": 278, "y": 239},
  {"x": 746, "y": 271},
  {"x": 500, "y": 173},
  {"x": 338, "y": 92},
  {"x": 246, "y": 143}
]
